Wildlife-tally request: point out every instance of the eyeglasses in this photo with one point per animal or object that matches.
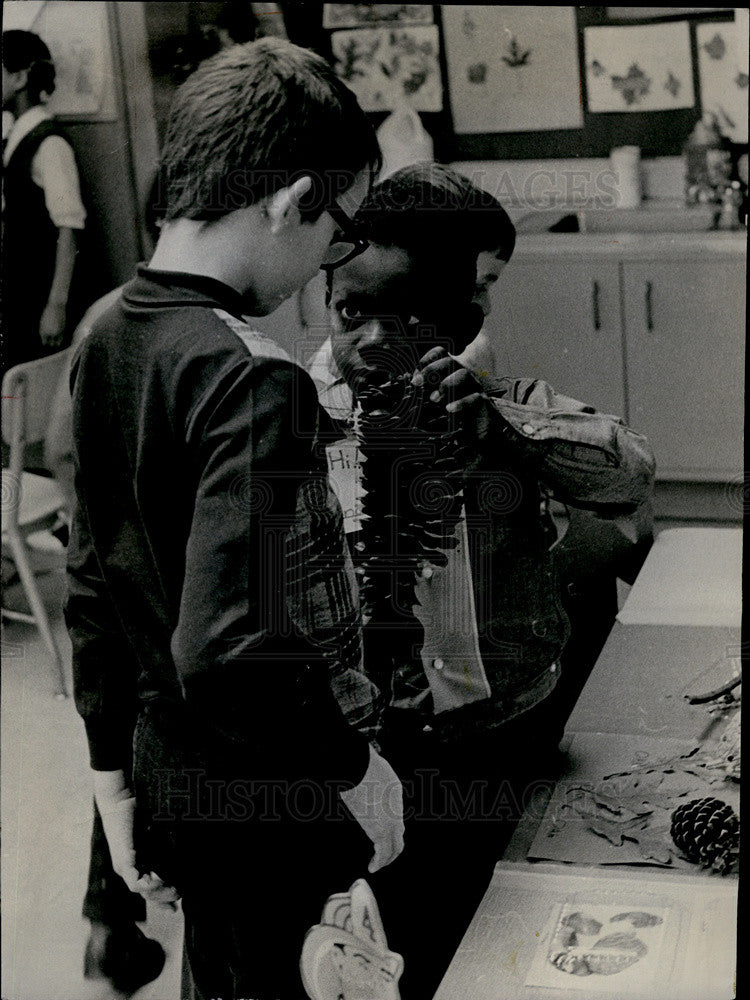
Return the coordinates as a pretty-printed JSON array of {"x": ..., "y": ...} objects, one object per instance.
[{"x": 347, "y": 244}]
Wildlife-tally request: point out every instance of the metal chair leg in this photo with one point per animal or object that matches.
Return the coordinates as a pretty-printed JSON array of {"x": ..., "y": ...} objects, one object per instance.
[{"x": 26, "y": 573}]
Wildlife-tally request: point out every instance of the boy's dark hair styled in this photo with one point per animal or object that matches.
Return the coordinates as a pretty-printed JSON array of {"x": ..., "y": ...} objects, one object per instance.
[
  {"x": 255, "y": 118},
  {"x": 25, "y": 50},
  {"x": 429, "y": 206}
]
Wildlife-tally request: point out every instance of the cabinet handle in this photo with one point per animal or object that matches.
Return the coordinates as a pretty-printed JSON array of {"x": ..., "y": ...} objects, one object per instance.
[
  {"x": 649, "y": 306},
  {"x": 595, "y": 306}
]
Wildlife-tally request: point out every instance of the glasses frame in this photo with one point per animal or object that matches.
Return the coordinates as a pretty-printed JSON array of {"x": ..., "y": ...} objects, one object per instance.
[{"x": 351, "y": 233}]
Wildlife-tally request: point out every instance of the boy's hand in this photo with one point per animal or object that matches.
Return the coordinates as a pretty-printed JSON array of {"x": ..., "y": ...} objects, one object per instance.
[
  {"x": 116, "y": 807},
  {"x": 377, "y": 804},
  {"x": 449, "y": 383},
  {"x": 52, "y": 324}
]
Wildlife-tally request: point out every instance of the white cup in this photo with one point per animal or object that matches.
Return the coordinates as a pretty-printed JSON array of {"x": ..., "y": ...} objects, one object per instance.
[{"x": 625, "y": 162}]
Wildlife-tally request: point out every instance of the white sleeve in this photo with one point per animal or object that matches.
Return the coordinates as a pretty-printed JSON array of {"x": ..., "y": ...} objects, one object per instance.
[{"x": 54, "y": 170}]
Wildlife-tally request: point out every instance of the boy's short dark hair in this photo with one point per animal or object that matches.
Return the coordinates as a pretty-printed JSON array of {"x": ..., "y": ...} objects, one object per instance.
[
  {"x": 253, "y": 119},
  {"x": 25, "y": 50},
  {"x": 429, "y": 206}
]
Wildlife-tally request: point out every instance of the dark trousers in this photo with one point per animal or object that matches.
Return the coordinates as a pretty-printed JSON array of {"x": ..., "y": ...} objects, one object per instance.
[
  {"x": 254, "y": 860},
  {"x": 463, "y": 802}
]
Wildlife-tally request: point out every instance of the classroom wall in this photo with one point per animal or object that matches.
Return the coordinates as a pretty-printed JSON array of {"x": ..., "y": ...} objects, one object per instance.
[{"x": 116, "y": 158}]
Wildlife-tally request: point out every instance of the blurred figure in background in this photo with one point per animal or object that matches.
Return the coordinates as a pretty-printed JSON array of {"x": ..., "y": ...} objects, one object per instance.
[{"x": 42, "y": 209}]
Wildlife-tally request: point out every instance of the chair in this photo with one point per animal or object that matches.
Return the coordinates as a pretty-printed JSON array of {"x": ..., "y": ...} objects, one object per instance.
[{"x": 30, "y": 502}]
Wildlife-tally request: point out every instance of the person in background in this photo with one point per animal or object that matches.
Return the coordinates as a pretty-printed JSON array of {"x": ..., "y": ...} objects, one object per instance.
[
  {"x": 463, "y": 623},
  {"x": 204, "y": 537},
  {"x": 43, "y": 214}
]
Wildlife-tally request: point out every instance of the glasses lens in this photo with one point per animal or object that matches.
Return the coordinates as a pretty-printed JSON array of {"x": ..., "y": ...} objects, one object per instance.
[{"x": 338, "y": 252}]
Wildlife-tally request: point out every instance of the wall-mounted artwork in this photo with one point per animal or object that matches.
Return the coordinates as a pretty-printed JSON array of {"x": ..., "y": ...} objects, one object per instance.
[
  {"x": 387, "y": 66},
  {"x": 368, "y": 15},
  {"x": 78, "y": 38},
  {"x": 723, "y": 74},
  {"x": 639, "y": 68},
  {"x": 512, "y": 69},
  {"x": 618, "y": 13}
]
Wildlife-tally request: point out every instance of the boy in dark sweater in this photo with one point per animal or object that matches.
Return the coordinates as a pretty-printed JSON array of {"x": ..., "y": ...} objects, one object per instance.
[{"x": 206, "y": 540}]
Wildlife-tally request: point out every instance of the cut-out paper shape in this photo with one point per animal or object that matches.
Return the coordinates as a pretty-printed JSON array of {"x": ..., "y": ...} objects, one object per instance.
[
  {"x": 639, "y": 68},
  {"x": 512, "y": 69}
]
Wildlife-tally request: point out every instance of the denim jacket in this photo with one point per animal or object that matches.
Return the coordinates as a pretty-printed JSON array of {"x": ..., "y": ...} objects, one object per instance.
[{"x": 493, "y": 624}]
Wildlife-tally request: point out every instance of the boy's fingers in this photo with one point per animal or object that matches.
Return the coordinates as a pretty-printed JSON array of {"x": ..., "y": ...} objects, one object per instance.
[
  {"x": 432, "y": 355},
  {"x": 464, "y": 403}
]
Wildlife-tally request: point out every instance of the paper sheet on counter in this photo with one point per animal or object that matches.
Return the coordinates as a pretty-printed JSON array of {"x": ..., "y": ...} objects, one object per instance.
[
  {"x": 691, "y": 576},
  {"x": 567, "y": 834},
  {"x": 512, "y": 930}
]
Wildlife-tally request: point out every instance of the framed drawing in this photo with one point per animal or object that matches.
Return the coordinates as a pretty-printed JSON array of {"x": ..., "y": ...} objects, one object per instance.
[
  {"x": 512, "y": 69},
  {"x": 640, "y": 68},
  {"x": 78, "y": 38},
  {"x": 723, "y": 73},
  {"x": 370, "y": 15},
  {"x": 385, "y": 66}
]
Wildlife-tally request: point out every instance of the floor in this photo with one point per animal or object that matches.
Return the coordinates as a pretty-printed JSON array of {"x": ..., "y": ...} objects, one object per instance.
[
  {"x": 46, "y": 813},
  {"x": 46, "y": 823}
]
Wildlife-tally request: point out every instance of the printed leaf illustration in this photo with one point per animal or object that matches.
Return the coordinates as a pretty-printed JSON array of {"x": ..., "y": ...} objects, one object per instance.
[
  {"x": 469, "y": 25},
  {"x": 742, "y": 80},
  {"x": 673, "y": 85},
  {"x": 634, "y": 86},
  {"x": 622, "y": 942},
  {"x": 582, "y": 924},
  {"x": 638, "y": 918},
  {"x": 716, "y": 48},
  {"x": 515, "y": 56},
  {"x": 597, "y": 69},
  {"x": 477, "y": 73}
]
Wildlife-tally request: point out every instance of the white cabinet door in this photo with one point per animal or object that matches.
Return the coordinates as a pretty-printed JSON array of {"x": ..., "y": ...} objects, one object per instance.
[
  {"x": 560, "y": 321},
  {"x": 685, "y": 323}
]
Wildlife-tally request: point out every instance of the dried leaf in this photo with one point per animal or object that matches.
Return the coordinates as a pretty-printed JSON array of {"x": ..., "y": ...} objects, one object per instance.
[{"x": 611, "y": 833}]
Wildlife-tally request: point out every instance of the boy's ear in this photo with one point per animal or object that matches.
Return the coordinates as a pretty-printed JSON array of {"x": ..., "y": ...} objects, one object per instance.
[{"x": 283, "y": 205}]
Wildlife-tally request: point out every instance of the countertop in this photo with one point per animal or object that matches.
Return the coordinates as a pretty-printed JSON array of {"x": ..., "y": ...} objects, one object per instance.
[{"x": 630, "y": 246}]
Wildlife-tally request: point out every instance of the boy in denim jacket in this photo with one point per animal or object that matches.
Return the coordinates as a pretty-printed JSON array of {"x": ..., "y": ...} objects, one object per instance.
[{"x": 464, "y": 626}]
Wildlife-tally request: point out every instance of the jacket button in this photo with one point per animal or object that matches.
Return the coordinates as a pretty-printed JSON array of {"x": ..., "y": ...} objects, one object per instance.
[
  {"x": 438, "y": 664},
  {"x": 539, "y": 628},
  {"x": 428, "y": 572},
  {"x": 528, "y": 429}
]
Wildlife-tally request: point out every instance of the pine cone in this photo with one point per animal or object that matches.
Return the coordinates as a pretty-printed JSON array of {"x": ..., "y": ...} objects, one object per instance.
[
  {"x": 707, "y": 831},
  {"x": 412, "y": 502}
]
